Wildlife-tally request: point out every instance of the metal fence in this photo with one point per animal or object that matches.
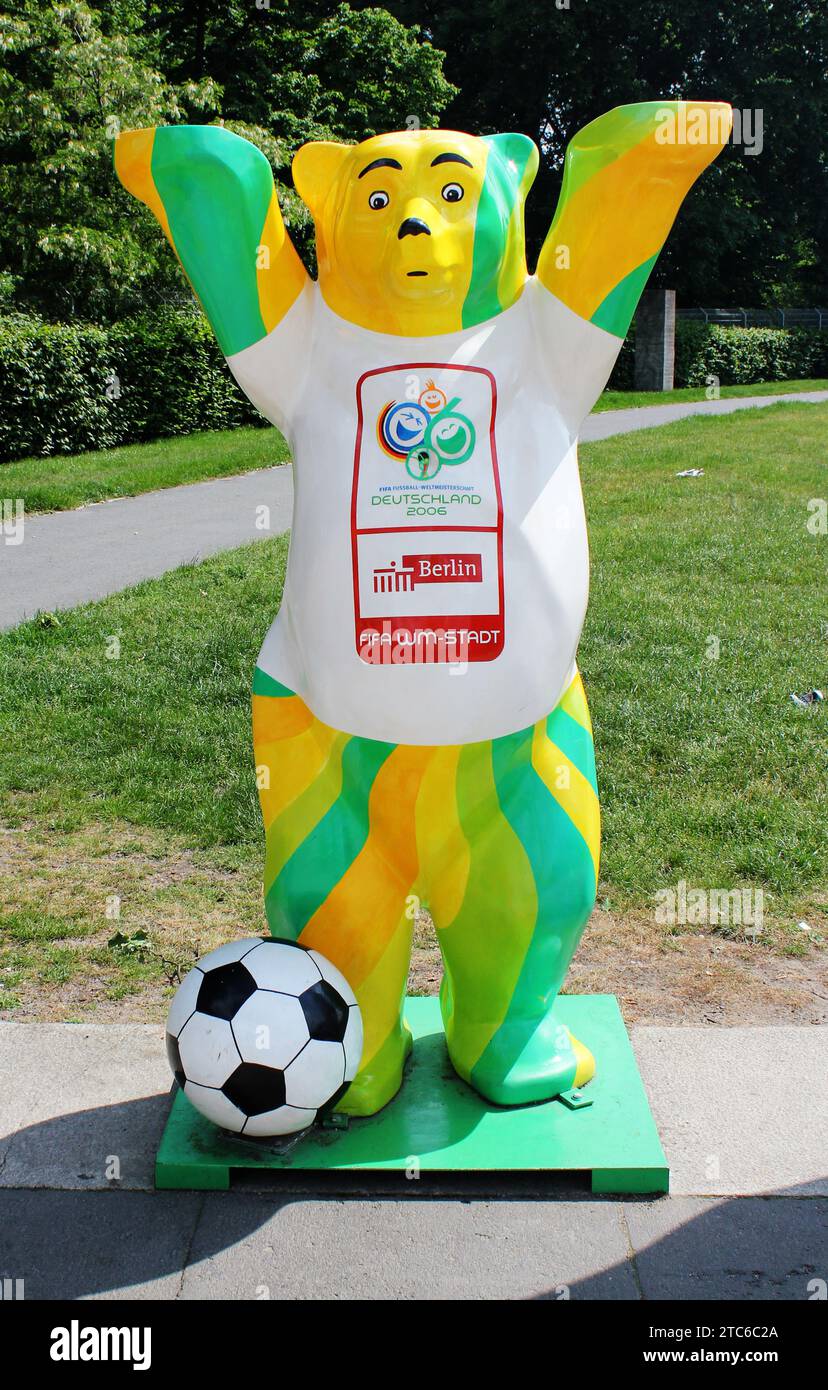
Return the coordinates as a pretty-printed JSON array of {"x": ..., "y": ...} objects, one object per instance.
[{"x": 760, "y": 318}]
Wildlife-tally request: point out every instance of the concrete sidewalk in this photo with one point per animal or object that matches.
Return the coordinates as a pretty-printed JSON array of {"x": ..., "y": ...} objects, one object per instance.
[
  {"x": 69, "y": 1245},
  {"x": 742, "y": 1114},
  {"x": 68, "y": 558}
]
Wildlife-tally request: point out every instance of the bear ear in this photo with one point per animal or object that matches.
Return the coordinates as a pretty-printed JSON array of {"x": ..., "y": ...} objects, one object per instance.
[
  {"x": 519, "y": 154},
  {"x": 315, "y": 167}
]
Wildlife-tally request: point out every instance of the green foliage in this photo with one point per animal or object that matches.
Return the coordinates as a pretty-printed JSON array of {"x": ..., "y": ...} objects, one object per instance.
[
  {"x": 70, "y": 388},
  {"x": 52, "y": 387},
  {"x": 135, "y": 943},
  {"x": 173, "y": 378},
  {"x": 69, "y": 237},
  {"x": 65, "y": 388},
  {"x": 737, "y": 356},
  {"x": 301, "y": 69},
  {"x": 73, "y": 243},
  {"x": 754, "y": 230}
]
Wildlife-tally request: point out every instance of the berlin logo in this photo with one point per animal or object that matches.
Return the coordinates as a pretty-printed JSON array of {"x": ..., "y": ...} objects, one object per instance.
[{"x": 427, "y": 569}]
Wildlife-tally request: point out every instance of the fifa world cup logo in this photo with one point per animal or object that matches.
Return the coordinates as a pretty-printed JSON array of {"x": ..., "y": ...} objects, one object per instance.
[{"x": 426, "y": 434}]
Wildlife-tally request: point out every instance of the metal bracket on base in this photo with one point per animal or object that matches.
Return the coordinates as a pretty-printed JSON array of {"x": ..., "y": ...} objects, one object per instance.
[
  {"x": 335, "y": 1122},
  {"x": 574, "y": 1100}
]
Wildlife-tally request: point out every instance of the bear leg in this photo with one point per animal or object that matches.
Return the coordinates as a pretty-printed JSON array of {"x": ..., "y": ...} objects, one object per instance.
[
  {"x": 340, "y": 865},
  {"x": 527, "y": 807}
]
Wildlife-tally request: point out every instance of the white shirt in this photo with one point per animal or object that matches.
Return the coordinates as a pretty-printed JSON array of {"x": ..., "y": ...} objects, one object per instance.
[{"x": 438, "y": 571}]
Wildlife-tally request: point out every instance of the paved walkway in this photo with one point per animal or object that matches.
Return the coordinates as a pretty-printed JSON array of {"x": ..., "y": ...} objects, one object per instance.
[
  {"x": 741, "y": 1111},
  {"x": 73, "y": 557},
  {"x": 69, "y": 1245},
  {"x": 647, "y": 417}
]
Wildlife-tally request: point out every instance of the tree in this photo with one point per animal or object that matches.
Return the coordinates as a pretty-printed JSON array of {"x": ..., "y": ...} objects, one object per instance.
[
  {"x": 67, "y": 247},
  {"x": 72, "y": 243},
  {"x": 755, "y": 228},
  {"x": 298, "y": 70},
  {"x": 304, "y": 70}
]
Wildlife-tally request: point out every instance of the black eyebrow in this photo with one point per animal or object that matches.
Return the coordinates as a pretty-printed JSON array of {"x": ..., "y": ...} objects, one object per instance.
[
  {"x": 451, "y": 159},
  {"x": 381, "y": 164}
]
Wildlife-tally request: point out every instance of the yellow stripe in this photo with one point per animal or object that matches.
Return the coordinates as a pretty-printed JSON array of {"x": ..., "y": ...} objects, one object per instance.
[
  {"x": 133, "y": 165},
  {"x": 574, "y": 703},
  {"x": 280, "y": 275},
  {"x": 293, "y": 765},
  {"x": 585, "y": 1062},
  {"x": 577, "y": 797},
  {"x": 276, "y": 718},
  {"x": 293, "y": 824},
  {"x": 380, "y": 993}
]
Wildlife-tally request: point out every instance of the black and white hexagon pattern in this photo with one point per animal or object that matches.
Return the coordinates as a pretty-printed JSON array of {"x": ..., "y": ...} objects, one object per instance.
[{"x": 262, "y": 1034}]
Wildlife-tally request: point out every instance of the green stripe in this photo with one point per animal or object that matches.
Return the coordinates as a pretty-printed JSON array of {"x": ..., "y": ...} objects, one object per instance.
[
  {"x": 327, "y": 852},
  {"x": 263, "y": 684},
  {"x": 574, "y": 741},
  {"x": 614, "y": 314},
  {"x": 216, "y": 190},
  {"x": 501, "y": 199}
]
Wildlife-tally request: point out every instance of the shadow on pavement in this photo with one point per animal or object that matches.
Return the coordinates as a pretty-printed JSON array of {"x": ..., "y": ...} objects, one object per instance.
[
  {"x": 357, "y": 1235},
  {"x": 726, "y": 1248}
]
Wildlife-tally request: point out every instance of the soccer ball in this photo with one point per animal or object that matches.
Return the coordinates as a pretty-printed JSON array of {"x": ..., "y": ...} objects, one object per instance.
[{"x": 262, "y": 1034}]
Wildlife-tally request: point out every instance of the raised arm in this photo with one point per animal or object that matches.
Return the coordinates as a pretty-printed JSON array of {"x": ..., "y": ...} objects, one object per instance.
[
  {"x": 625, "y": 177},
  {"x": 214, "y": 196}
]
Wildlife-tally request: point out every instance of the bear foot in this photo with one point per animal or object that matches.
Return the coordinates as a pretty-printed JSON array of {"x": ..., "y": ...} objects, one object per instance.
[
  {"x": 516, "y": 1070},
  {"x": 377, "y": 1083}
]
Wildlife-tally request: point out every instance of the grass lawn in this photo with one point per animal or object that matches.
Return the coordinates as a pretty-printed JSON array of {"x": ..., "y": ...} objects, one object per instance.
[
  {"x": 71, "y": 480},
  {"x": 624, "y": 400},
  {"x": 133, "y": 778},
  {"x": 62, "y": 481}
]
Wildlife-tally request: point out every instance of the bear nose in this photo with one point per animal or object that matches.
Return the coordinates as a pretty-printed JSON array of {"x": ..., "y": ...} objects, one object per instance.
[{"x": 413, "y": 226}]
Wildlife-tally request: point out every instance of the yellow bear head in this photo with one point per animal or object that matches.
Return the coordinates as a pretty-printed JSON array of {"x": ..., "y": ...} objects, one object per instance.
[{"x": 419, "y": 232}]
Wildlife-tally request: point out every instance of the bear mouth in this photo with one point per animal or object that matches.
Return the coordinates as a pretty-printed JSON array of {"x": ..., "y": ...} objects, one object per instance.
[{"x": 416, "y": 272}]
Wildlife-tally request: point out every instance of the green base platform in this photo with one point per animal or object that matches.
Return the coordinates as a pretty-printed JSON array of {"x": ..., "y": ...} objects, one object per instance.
[{"x": 439, "y": 1123}]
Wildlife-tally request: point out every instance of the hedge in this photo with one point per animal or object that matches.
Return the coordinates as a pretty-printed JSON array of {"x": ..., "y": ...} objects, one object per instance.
[
  {"x": 737, "y": 356},
  {"x": 67, "y": 388}
]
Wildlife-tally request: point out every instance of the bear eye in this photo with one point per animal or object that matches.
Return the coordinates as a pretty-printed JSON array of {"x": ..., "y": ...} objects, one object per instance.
[
  {"x": 378, "y": 200},
  {"x": 452, "y": 192}
]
